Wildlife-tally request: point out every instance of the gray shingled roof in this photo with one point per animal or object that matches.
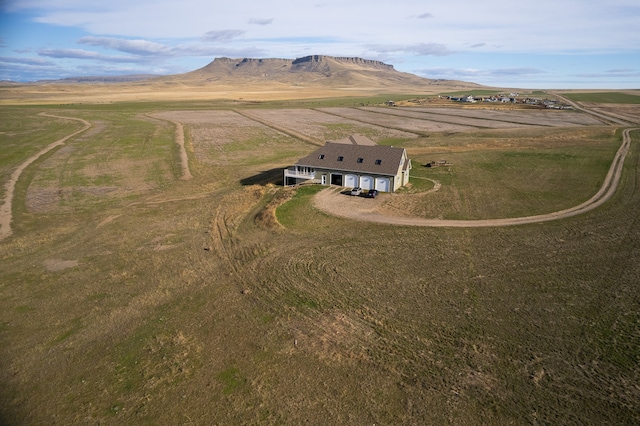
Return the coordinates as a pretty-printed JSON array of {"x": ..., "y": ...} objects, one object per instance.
[{"x": 328, "y": 157}]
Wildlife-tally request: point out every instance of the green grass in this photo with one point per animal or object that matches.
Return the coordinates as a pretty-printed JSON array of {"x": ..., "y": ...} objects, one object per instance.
[
  {"x": 604, "y": 97},
  {"x": 230, "y": 379},
  {"x": 333, "y": 102},
  {"x": 76, "y": 326},
  {"x": 418, "y": 185},
  {"x": 533, "y": 177},
  {"x": 289, "y": 213},
  {"x": 393, "y": 141}
]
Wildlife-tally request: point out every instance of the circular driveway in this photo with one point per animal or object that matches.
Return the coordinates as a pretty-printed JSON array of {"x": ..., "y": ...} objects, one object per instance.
[{"x": 334, "y": 202}]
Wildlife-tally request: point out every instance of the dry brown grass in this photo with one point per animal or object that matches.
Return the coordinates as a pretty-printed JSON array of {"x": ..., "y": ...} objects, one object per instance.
[
  {"x": 183, "y": 301},
  {"x": 154, "y": 91}
]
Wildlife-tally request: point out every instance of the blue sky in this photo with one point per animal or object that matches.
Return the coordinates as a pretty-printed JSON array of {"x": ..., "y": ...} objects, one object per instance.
[{"x": 549, "y": 44}]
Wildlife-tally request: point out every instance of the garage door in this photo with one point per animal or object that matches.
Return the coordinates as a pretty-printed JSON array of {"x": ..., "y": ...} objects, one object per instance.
[
  {"x": 350, "y": 181},
  {"x": 366, "y": 182},
  {"x": 382, "y": 184}
]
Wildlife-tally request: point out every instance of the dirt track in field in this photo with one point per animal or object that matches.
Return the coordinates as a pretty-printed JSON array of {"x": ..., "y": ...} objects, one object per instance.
[
  {"x": 5, "y": 210},
  {"x": 184, "y": 159},
  {"x": 333, "y": 201}
]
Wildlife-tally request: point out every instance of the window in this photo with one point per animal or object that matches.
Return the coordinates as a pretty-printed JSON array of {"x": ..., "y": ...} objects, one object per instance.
[
  {"x": 321, "y": 156},
  {"x": 340, "y": 158},
  {"x": 360, "y": 160},
  {"x": 378, "y": 162}
]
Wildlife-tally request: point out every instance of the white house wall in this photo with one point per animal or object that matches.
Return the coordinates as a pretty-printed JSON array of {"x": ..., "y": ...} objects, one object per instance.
[{"x": 352, "y": 180}]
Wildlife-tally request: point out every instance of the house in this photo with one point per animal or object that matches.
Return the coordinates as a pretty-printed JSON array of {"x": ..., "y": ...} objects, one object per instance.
[{"x": 352, "y": 162}]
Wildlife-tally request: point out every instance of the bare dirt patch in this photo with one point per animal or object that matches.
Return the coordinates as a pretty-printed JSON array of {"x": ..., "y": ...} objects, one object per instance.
[
  {"x": 333, "y": 337},
  {"x": 108, "y": 220},
  {"x": 54, "y": 265}
]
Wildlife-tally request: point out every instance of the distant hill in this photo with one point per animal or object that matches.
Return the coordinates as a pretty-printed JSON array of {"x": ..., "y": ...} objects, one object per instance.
[
  {"x": 315, "y": 76},
  {"x": 315, "y": 70},
  {"x": 103, "y": 79}
]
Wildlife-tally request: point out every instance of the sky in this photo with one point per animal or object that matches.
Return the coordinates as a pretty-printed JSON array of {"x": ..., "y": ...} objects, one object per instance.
[{"x": 545, "y": 44}]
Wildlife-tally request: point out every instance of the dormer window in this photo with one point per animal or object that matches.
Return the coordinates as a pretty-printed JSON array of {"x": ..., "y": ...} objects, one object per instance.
[
  {"x": 360, "y": 160},
  {"x": 340, "y": 158},
  {"x": 321, "y": 156},
  {"x": 378, "y": 162}
]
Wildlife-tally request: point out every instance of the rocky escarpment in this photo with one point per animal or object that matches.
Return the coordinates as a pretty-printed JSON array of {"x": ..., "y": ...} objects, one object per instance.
[
  {"x": 322, "y": 64},
  {"x": 312, "y": 70},
  {"x": 344, "y": 60}
]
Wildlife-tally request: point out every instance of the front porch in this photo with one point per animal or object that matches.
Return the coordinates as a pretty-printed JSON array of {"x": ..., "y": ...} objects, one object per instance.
[{"x": 298, "y": 174}]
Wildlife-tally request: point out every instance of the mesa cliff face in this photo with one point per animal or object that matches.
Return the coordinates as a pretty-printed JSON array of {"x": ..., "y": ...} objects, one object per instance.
[
  {"x": 344, "y": 60},
  {"x": 313, "y": 63},
  {"x": 312, "y": 70}
]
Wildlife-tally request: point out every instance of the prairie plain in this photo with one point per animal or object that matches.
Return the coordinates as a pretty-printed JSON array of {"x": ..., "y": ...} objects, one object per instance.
[{"x": 129, "y": 295}]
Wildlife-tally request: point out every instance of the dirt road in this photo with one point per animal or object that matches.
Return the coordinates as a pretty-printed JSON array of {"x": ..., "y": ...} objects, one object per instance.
[
  {"x": 5, "y": 210},
  {"x": 332, "y": 201},
  {"x": 184, "y": 159}
]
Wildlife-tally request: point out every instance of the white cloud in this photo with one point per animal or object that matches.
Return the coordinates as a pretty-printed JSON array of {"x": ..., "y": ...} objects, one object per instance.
[
  {"x": 472, "y": 73},
  {"x": 135, "y": 47},
  {"x": 85, "y": 54},
  {"x": 257, "y": 21},
  {"x": 148, "y": 57},
  {"x": 621, "y": 73},
  {"x": 420, "y": 49},
  {"x": 26, "y": 61},
  {"x": 222, "y": 35},
  {"x": 543, "y": 25}
]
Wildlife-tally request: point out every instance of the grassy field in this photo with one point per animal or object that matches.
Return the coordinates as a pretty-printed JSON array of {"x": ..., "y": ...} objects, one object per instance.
[
  {"x": 510, "y": 174},
  {"x": 605, "y": 97},
  {"x": 128, "y": 296}
]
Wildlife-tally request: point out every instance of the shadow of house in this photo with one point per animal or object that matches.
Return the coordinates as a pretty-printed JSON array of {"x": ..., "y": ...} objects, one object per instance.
[{"x": 273, "y": 176}]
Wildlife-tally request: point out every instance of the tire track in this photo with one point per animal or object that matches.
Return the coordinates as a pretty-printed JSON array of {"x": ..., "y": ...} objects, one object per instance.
[
  {"x": 373, "y": 122},
  {"x": 280, "y": 129},
  {"x": 443, "y": 119},
  {"x": 451, "y": 118},
  {"x": 607, "y": 118},
  {"x": 6, "y": 209},
  {"x": 179, "y": 139}
]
